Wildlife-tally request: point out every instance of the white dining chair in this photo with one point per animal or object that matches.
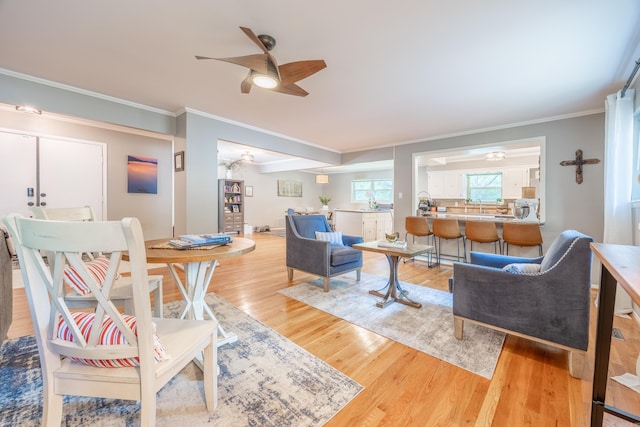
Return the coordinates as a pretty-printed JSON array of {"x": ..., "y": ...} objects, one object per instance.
[
  {"x": 122, "y": 295},
  {"x": 78, "y": 358}
]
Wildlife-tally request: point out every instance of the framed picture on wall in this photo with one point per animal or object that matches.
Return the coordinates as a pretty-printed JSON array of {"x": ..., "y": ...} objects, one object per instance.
[
  {"x": 288, "y": 188},
  {"x": 178, "y": 161},
  {"x": 248, "y": 190}
]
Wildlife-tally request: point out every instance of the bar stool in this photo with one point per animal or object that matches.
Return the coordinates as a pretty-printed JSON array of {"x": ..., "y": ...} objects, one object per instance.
[
  {"x": 448, "y": 229},
  {"x": 482, "y": 232},
  {"x": 417, "y": 226},
  {"x": 521, "y": 234}
]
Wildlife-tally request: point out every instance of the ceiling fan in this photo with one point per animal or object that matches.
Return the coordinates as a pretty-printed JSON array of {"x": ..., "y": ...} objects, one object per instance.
[{"x": 265, "y": 72}]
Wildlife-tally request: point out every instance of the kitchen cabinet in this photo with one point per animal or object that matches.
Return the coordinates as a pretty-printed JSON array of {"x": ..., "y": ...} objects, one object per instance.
[
  {"x": 371, "y": 225},
  {"x": 445, "y": 184},
  {"x": 230, "y": 206},
  {"x": 513, "y": 179}
]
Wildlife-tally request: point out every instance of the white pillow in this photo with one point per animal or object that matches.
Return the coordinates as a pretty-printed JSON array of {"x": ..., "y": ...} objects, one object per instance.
[
  {"x": 525, "y": 268},
  {"x": 333, "y": 237}
]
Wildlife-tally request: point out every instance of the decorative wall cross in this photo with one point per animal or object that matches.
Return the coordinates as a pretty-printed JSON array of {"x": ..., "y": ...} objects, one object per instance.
[{"x": 578, "y": 162}]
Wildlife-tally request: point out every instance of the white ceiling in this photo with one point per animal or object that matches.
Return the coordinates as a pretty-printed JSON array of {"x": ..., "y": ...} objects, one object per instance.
[{"x": 397, "y": 72}]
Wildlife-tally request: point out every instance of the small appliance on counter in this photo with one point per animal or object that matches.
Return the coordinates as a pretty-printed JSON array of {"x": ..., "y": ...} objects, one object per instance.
[
  {"x": 527, "y": 209},
  {"x": 424, "y": 202}
]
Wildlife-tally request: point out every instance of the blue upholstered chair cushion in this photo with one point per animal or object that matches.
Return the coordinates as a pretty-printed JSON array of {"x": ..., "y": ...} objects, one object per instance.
[{"x": 343, "y": 255}]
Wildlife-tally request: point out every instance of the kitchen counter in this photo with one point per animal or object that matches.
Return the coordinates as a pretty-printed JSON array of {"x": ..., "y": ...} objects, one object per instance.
[{"x": 497, "y": 218}]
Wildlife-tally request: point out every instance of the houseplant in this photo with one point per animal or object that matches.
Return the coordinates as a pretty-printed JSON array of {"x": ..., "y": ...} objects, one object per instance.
[
  {"x": 325, "y": 201},
  {"x": 229, "y": 165}
]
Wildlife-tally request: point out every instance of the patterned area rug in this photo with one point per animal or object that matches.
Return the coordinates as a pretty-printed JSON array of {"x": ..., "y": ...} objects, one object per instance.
[
  {"x": 265, "y": 380},
  {"x": 428, "y": 329}
]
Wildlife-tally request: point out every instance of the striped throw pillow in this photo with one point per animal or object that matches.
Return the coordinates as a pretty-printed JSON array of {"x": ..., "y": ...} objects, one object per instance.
[
  {"x": 97, "y": 269},
  {"x": 109, "y": 335},
  {"x": 333, "y": 237}
]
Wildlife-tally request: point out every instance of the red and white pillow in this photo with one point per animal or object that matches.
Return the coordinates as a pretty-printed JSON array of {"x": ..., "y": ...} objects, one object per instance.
[
  {"x": 97, "y": 269},
  {"x": 109, "y": 335}
]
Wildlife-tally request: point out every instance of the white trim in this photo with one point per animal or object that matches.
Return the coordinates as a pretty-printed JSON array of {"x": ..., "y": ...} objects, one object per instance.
[{"x": 84, "y": 92}]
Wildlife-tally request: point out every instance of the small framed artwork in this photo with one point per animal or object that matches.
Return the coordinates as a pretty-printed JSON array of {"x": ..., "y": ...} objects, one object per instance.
[
  {"x": 236, "y": 209},
  {"x": 178, "y": 161},
  {"x": 289, "y": 188},
  {"x": 248, "y": 190}
]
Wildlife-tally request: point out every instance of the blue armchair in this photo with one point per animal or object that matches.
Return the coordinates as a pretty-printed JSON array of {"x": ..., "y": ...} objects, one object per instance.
[
  {"x": 322, "y": 258},
  {"x": 544, "y": 299}
]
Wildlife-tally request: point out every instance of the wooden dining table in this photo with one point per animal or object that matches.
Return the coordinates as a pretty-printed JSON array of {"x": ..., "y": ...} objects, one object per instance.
[{"x": 199, "y": 265}]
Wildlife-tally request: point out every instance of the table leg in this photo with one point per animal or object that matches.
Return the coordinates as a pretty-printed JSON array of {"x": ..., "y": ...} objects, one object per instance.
[
  {"x": 394, "y": 292},
  {"x": 606, "y": 307},
  {"x": 198, "y": 277}
]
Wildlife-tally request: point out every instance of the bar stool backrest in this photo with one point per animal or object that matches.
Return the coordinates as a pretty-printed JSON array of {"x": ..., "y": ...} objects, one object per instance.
[
  {"x": 446, "y": 228},
  {"x": 481, "y": 231},
  {"x": 417, "y": 226},
  {"x": 521, "y": 234}
]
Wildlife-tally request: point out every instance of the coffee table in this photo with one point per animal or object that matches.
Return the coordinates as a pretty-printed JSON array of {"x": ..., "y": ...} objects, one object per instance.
[{"x": 392, "y": 291}]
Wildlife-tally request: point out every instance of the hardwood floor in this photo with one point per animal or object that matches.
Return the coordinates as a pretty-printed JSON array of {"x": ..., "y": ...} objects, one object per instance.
[{"x": 404, "y": 387}]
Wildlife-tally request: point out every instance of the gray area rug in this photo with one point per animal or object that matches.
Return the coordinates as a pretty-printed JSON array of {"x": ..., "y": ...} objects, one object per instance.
[
  {"x": 265, "y": 380},
  {"x": 428, "y": 329}
]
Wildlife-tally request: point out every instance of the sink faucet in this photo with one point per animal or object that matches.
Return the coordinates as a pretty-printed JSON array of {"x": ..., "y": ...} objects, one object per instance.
[{"x": 480, "y": 202}]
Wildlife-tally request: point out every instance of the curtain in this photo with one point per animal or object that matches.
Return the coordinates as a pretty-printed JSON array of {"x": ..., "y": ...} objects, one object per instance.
[{"x": 618, "y": 179}]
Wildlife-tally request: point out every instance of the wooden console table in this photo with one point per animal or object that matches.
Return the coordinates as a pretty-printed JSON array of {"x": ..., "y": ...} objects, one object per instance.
[{"x": 620, "y": 264}]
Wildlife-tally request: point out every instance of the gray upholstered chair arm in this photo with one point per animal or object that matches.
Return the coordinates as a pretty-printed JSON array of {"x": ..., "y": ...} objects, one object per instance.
[
  {"x": 499, "y": 261},
  {"x": 351, "y": 240},
  {"x": 308, "y": 255}
]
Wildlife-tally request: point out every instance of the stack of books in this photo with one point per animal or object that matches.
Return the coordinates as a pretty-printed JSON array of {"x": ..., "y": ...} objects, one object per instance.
[
  {"x": 188, "y": 241},
  {"x": 398, "y": 244}
]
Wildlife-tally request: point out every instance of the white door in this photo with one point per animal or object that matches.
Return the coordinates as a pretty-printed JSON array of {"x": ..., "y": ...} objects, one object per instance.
[
  {"x": 17, "y": 174},
  {"x": 66, "y": 165},
  {"x": 59, "y": 173}
]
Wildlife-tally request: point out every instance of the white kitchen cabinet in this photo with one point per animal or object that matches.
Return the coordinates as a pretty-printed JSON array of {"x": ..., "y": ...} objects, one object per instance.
[
  {"x": 445, "y": 184},
  {"x": 371, "y": 225},
  {"x": 513, "y": 179}
]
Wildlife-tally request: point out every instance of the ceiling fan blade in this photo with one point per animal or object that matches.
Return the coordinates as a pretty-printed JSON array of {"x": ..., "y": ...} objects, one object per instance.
[
  {"x": 254, "y": 38},
  {"x": 245, "y": 86},
  {"x": 290, "y": 89},
  {"x": 257, "y": 62},
  {"x": 295, "y": 71}
]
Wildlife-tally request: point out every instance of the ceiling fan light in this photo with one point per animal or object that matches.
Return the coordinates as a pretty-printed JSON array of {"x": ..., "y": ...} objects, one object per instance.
[{"x": 264, "y": 81}]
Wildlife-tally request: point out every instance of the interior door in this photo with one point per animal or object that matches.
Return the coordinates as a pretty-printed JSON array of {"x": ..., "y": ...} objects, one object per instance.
[
  {"x": 50, "y": 172},
  {"x": 71, "y": 174},
  {"x": 17, "y": 174}
]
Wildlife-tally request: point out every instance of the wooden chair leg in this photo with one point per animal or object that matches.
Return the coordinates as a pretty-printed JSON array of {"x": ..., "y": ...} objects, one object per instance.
[
  {"x": 358, "y": 275},
  {"x": 458, "y": 327},
  {"x": 576, "y": 361},
  {"x": 290, "y": 273},
  {"x": 325, "y": 282}
]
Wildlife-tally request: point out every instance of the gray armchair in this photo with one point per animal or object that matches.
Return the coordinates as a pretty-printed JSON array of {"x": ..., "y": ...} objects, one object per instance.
[
  {"x": 306, "y": 253},
  {"x": 549, "y": 306}
]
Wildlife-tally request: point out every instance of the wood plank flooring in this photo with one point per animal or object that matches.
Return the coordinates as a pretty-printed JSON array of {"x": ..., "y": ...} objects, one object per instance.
[{"x": 404, "y": 387}]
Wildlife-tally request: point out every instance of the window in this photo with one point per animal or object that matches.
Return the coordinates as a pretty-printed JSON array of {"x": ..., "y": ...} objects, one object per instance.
[
  {"x": 380, "y": 190},
  {"x": 486, "y": 187}
]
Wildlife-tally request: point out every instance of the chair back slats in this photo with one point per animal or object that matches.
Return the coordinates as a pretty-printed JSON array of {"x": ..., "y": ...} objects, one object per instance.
[{"x": 63, "y": 242}]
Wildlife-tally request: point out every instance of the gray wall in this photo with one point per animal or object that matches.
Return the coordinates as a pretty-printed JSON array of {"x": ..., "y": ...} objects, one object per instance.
[
  {"x": 568, "y": 204},
  {"x": 153, "y": 210}
]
